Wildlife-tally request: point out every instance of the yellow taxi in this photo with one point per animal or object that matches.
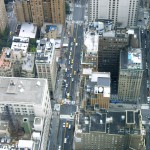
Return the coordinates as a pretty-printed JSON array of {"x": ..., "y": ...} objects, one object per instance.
[
  {"x": 67, "y": 124},
  {"x": 72, "y": 61}
]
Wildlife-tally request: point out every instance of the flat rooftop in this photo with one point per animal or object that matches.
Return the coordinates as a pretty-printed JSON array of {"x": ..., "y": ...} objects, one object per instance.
[
  {"x": 131, "y": 59},
  {"x": 91, "y": 42},
  {"x": 21, "y": 90},
  {"x": 49, "y": 27},
  {"x": 28, "y": 30},
  {"x": 20, "y": 43},
  {"x": 28, "y": 62},
  {"x": 109, "y": 122},
  {"x": 99, "y": 82},
  {"x": 45, "y": 51},
  {"x": 5, "y": 64}
]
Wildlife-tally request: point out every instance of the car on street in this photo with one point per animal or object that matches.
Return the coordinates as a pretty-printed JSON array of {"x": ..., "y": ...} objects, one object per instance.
[
  {"x": 74, "y": 72},
  {"x": 64, "y": 125},
  {"x": 68, "y": 95},
  {"x": 70, "y": 48},
  {"x": 59, "y": 148},
  {"x": 71, "y": 43},
  {"x": 65, "y": 140},
  {"x": 71, "y": 66},
  {"x": 67, "y": 124},
  {"x": 72, "y": 61},
  {"x": 72, "y": 79},
  {"x": 66, "y": 85},
  {"x": 70, "y": 53},
  {"x": 70, "y": 75},
  {"x": 69, "y": 57},
  {"x": 76, "y": 44}
]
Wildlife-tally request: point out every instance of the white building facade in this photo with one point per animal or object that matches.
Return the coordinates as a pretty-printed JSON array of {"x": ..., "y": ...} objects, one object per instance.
[
  {"x": 25, "y": 96},
  {"x": 28, "y": 97},
  {"x": 122, "y": 12},
  {"x": 45, "y": 62}
]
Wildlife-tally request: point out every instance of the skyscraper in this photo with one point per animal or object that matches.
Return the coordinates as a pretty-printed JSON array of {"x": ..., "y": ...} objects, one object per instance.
[
  {"x": 110, "y": 44},
  {"x": 122, "y": 12},
  {"x": 130, "y": 75},
  {"x": 40, "y": 11},
  {"x": 3, "y": 16}
]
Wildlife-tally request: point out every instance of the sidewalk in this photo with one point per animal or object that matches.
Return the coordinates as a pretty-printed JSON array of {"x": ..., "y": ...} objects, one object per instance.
[
  {"x": 58, "y": 91},
  {"x": 54, "y": 131}
]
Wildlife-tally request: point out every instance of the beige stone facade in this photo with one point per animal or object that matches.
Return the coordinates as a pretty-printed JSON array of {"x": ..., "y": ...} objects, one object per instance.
[
  {"x": 40, "y": 11},
  {"x": 108, "y": 131},
  {"x": 130, "y": 75},
  {"x": 58, "y": 11}
]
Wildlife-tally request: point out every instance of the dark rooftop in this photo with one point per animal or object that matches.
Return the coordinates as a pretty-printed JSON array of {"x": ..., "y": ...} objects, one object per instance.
[
  {"x": 98, "y": 122},
  {"x": 110, "y": 122},
  {"x": 103, "y": 81}
]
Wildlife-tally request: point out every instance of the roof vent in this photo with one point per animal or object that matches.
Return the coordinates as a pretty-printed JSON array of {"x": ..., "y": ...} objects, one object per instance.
[
  {"x": 12, "y": 82},
  {"x": 101, "y": 121},
  {"x": 21, "y": 90},
  {"x": 122, "y": 117},
  {"x": 38, "y": 83},
  {"x": 100, "y": 89}
]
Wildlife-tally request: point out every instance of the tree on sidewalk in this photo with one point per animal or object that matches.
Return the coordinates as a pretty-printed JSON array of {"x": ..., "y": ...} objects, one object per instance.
[{"x": 67, "y": 7}]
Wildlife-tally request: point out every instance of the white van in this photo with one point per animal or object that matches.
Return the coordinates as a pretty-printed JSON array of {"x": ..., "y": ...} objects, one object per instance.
[
  {"x": 65, "y": 140},
  {"x": 69, "y": 126}
]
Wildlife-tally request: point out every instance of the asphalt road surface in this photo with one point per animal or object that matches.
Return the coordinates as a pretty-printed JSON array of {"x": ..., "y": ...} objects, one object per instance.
[
  {"x": 145, "y": 47},
  {"x": 72, "y": 74},
  {"x": 74, "y": 55}
]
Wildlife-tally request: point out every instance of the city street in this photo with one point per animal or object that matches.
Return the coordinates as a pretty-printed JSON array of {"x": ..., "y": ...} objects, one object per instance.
[
  {"x": 144, "y": 46},
  {"x": 72, "y": 73},
  {"x": 73, "y": 54}
]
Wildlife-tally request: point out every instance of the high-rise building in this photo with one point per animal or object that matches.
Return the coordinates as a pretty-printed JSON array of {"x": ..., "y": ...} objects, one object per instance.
[
  {"x": 45, "y": 62},
  {"x": 58, "y": 11},
  {"x": 3, "y": 16},
  {"x": 123, "y": 13},
  {"x": 130, "y": 75},
  {"x": 40, "y": 11},
  {"x": 116, "y": 130},
  {"x": 47, "y": 10},
  {"x": 22, "y": 9},
  {"x": 26, "y": 102},
  {"x": 37, "y": 12},
  {"x": 110, "y": 43}
]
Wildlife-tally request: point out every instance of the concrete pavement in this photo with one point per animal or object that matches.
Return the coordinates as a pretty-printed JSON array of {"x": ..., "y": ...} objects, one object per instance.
[{"x": 53, "y": 131}]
